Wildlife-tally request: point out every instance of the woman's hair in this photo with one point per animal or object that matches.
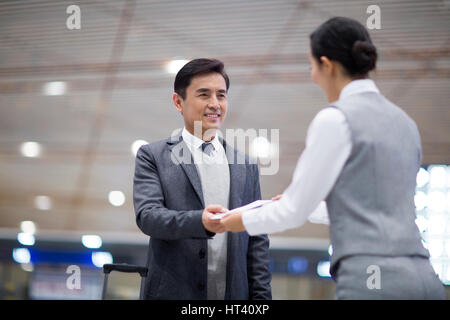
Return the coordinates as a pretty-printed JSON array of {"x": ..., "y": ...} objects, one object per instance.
[{"x": 346, "y": 41}]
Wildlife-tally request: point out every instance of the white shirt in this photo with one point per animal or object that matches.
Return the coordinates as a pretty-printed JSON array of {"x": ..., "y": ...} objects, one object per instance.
[
  {"x": 194, "y": 144},
  {"x": 328, "y": 146}
]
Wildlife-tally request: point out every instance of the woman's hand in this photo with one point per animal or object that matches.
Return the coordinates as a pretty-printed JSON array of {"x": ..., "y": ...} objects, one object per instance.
[
  {"x": 278, "y": 197},
  {"x": 233, "y": 222}
]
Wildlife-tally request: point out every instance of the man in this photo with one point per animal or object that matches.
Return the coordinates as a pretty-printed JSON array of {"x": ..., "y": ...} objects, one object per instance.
[{"x": 190, "y": 256}]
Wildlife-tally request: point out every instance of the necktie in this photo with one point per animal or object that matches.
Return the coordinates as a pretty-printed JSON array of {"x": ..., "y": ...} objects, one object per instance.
[{"x": 207, "y": 148}]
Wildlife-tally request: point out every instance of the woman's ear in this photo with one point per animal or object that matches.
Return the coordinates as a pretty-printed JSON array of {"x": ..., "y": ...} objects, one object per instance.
[
  {"x": 327, "y": 65},
  {"x": 177, "y": 101}
]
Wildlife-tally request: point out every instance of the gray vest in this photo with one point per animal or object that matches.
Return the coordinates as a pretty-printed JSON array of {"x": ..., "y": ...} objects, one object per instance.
[
  {"x": 215, "y": 180},
  {"x": 371, "y": 206}
]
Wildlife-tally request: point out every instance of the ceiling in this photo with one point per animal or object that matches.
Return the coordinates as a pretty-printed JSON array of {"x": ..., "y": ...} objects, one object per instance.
[{"x": 118, "y": 91}]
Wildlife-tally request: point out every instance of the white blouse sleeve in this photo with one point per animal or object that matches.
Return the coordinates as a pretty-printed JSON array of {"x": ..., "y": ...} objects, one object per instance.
[
  {"x": 320, "y": 214},
  {"x": 328, "y": 146}
]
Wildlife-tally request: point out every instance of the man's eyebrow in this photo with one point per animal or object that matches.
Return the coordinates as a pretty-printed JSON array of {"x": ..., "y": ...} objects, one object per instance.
[
  {"x": 203, "y": 90},
  {"x": 200, "y": 90}
]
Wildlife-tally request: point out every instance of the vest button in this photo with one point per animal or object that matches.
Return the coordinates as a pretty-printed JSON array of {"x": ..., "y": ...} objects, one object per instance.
[{"x": 201, "y": 253}]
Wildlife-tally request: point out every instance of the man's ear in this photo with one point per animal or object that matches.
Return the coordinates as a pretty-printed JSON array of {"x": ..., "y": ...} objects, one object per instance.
[{"x": 178, "y": 102}]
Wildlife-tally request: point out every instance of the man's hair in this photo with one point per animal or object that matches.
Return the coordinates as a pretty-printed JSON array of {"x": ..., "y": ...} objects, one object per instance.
[{"x": 194, "y": 68}]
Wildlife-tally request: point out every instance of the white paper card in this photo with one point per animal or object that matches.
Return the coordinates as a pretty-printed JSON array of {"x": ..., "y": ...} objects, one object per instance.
[{"x": 253, "y": 205}]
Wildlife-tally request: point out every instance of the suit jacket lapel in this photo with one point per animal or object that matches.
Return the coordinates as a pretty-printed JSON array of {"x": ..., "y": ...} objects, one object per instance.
[{"x": 181, "y": 153}]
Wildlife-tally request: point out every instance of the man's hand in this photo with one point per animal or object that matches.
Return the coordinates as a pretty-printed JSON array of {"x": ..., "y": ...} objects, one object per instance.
[{"x": 213, "y": 225}]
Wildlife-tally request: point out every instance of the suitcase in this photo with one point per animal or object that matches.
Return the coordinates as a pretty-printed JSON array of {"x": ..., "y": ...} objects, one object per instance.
[{"x": 124, "y": 267}]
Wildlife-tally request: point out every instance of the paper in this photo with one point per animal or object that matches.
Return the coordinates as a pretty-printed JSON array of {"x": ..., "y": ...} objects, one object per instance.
[{"x": 253, "y": 205}]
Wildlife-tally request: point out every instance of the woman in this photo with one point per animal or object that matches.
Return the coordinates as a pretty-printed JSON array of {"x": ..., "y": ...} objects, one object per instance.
[{"x": 361, "y": 159}]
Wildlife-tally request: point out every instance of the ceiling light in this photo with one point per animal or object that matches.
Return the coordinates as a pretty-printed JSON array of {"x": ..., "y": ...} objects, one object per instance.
[
  {"x": 448, "y": 176},
  {"x": 436, "y": 224},
  {"x": 28, "y": 227},
  {"x": 136, "y": 145},
  {"x": 437, "y": 268},
  {"x": 438, "y": 176},
  {"x": 437, "y": 201},
  {"x": 420, "y": 200},
  {"x": 26, "y": 239},
  {"x": 447, "y": 249},
  {"x": 323, "y": 269},
  {"x": 116, "y": 198},
  {"x": 423, "y": 176},
  {"x": 447, "y": 275},
  {"x": 435, "y": 247},
  {"x": 91, "y": 241},
  {"x": 55, "y": 88},
  {"x": 21, "y": 255},
  {"x": 30, "y": 149},
  {"x": 100, "y": 258},
  {"x": 261, "y": 148},
  {"x": 42, "y": 203},
  {"x": 175, "y": 65},
  {"x": 448, "y": 201},
  {"x": 28, "y": 267},
  {"x": 422, "y": 223}
]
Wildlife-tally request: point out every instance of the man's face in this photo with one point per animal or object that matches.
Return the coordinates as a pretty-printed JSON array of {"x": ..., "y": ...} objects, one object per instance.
[{"x": 205, "y": 101}]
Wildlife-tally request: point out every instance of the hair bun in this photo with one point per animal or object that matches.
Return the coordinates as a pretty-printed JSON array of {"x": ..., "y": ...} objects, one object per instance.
[{"x": 364, "y": 55}]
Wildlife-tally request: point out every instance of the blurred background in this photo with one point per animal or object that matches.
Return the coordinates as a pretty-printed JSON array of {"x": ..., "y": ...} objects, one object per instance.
[{"x": 76, "y": 104}]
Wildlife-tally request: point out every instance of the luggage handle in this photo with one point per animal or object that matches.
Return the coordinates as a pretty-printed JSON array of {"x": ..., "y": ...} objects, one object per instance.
[{"x": 124, "y": 267}]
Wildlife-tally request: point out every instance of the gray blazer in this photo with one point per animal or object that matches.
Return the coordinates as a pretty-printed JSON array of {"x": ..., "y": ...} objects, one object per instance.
[{"x": 168, "y": 201}]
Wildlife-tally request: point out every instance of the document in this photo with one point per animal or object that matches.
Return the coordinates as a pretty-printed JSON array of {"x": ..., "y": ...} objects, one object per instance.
[{"x": 253, "y": 205}]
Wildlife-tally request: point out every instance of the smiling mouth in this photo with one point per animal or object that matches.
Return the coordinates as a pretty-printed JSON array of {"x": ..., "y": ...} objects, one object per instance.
[{"x": 212, "y": 115}]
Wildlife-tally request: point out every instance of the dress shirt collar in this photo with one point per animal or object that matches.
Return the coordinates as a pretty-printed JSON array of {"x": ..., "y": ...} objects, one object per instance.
[
  {"x": 358, "y": 86},
  {"x": 195, "y": 143}
]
